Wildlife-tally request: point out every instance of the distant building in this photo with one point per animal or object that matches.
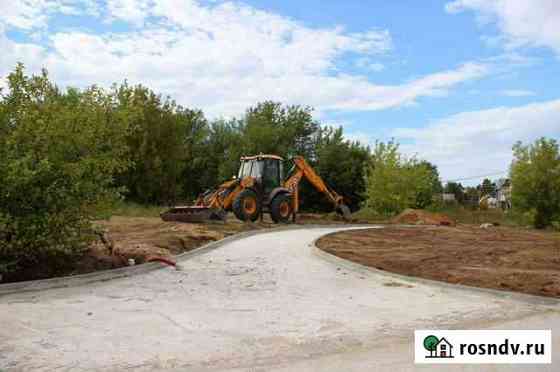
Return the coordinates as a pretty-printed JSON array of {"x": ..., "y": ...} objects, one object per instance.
[
  {"x": 503, "y": 193},
  {"x": 448, "y": 198}
]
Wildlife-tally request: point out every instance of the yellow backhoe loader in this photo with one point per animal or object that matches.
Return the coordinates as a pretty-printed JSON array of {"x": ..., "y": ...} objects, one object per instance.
[{"x": 259, "y": 187}]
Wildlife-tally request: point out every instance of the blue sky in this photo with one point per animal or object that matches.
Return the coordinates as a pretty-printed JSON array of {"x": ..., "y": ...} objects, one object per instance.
[{"x": 456, "y": 82}]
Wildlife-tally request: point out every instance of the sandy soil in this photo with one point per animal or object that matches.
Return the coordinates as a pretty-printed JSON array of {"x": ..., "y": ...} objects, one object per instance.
[
  {"x": 143, "y": 238},
  {"x": 498, "y": 257}
]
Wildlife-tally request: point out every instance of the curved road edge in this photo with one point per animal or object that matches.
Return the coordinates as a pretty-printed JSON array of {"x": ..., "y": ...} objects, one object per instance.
[
  {"x": 357, "y": 267},
  {"x": 128, "y": 271}
]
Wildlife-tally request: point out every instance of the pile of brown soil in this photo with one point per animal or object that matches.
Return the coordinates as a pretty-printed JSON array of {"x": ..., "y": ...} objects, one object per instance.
[
  {"x": 498, "y": 257},
  {"x": 421, "y": 217}
]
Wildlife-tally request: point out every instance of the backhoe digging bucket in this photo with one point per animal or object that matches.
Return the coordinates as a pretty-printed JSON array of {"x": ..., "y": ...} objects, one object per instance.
[
  {"x": 344, "y": 211},
  {"x": 193, "y": 214}
]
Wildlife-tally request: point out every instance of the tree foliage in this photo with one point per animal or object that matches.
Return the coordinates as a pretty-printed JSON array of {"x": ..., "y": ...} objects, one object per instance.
[
  {"x": 457, "y": 189},
  {"x": 425, "y": 196},
  {"x": 272, "y": 128},
  {"x": 164, "y": 142},
  {"x": 395, "y": 182},
  {"x": 487, "y": 187},
  {"x": 535, "y": 178},
  {"x": 341, "y": 164},
  {"x": 59, "y": 152}
]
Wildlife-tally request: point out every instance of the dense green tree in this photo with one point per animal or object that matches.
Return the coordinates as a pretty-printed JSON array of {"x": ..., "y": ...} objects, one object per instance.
[
  {"x": 395, "y": 182},
  {"x": 425, "y": 196},
  {"x": 457, "y": 189},
  {"x": 341, "y": 164},
  {"x": 535, "y": 179},
  {"x": 223, "y": 149},
  {"x": 164, "y": 142},
  {"x": 59, "y": 152},
  {"x": 271, "y": 128},
  {"x": 487, "y": 187}
]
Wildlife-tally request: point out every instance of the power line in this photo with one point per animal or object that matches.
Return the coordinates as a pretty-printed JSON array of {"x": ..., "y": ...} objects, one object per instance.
[{"x": 475, "y": 177}]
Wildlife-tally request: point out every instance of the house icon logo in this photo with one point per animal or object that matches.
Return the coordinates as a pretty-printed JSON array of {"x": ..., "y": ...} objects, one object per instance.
[{"x": 438, "y": 347}]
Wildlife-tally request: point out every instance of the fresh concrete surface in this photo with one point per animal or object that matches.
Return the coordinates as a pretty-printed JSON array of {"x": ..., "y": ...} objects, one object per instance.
[{"x": 265, "y": 302}]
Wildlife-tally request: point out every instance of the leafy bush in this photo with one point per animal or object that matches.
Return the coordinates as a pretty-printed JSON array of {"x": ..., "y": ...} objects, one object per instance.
[
  {"x": 58, "y": 154},
  {"x": 341, "y": 163},
  {"x": 535, "y": 178},
  {"x": 164, "y": 142},
  {"x": 395, "y": 182}
]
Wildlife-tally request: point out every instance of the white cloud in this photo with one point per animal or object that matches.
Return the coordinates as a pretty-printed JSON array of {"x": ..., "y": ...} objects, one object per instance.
[
  {"x": 479, "y": 142},
  {"x": 133, "y": 11},
  {"x": 27, "y": 15},
  {"x": 517, "y": 93},
  {"x": 23, "y": 14},
  {"x": 367, "y": 64},
  {"x": 521, "y": 22},
  {"x": 225, "y": 56},
  {"x": 362, "y": 137},
  {"x": 12, "y": 53}
]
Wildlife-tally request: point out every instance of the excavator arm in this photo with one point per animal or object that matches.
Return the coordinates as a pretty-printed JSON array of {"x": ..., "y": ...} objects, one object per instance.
[{"x": 303, "y": 169}]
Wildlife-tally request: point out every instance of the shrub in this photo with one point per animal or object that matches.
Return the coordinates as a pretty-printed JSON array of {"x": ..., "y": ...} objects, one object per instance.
[
  {"x": 535, "y": 179},
  {"x": 395, "y": 182},
  {"x": 58, "y": 154}
]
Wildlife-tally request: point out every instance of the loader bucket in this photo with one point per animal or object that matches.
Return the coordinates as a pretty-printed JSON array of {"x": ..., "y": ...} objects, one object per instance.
[{"x": 193, "y": 214}]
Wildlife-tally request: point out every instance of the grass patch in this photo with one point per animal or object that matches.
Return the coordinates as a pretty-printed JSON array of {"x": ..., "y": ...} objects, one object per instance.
[
  {"x": 129, "y": 209},
  {"x": 369, "y": 215},
  {"x": 460, "y": 214}
]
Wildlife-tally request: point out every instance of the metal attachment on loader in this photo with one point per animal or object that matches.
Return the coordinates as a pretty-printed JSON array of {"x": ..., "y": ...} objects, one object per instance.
[
  {"x": 344, "y": 211},
  {"x": 193, "y": 214}
]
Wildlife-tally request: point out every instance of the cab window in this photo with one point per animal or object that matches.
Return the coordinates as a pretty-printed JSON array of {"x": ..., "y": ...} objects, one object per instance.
[
  {"x": 256, "y": 168},
  {"x": 244, "y": 169},
  {"x": 272, "y": 174}
]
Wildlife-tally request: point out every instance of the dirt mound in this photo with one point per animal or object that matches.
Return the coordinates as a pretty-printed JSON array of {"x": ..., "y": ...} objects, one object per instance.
[{"x": 420, "y": 217}]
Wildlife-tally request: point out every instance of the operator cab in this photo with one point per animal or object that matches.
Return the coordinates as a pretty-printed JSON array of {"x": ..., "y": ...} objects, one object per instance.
[{"x": 266, "y": 169}]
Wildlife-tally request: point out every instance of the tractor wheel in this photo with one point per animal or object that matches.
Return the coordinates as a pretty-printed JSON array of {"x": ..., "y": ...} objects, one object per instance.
[
  {"x": 246, "y": 206},
  {"x": 281, "y": 208}
]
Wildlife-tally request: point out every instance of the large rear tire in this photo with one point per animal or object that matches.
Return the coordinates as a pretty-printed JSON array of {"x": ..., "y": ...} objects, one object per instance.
[
  {"x": 246, "y": 206},
  {"x": 281, "y": 208}
]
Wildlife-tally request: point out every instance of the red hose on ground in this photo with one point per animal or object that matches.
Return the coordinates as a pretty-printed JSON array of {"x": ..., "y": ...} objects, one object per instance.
[{"x": 162, "y": 260}]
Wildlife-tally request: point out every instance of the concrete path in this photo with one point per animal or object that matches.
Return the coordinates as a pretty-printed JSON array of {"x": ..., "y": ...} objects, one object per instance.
[{"x": 262, "y": 303}]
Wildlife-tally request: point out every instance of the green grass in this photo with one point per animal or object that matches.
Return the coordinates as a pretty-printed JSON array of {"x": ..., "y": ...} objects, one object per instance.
[
  {"x": 130, "y": 209},
  {"x": 369, "y": 215},
  {"x": 460, "y": 214}
]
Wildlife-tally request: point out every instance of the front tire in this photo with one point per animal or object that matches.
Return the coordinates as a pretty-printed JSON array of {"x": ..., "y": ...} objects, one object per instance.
[
  {"x": 281, "y": 208},
  {"x": 246, "y": 206}
]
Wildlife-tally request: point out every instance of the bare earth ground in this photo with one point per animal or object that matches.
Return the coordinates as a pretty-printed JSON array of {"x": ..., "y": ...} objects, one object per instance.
[
  {"x": 499, "y": 257},
  {"x": 142, "y": 238}
]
